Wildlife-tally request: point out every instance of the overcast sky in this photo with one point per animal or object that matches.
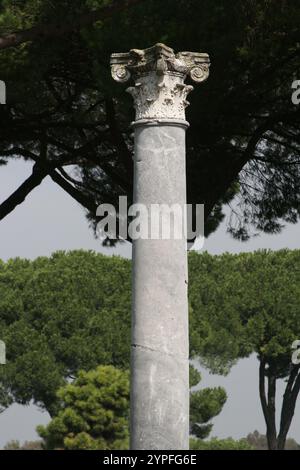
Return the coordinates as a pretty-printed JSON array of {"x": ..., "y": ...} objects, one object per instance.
[{"x": 50, "y": 220}]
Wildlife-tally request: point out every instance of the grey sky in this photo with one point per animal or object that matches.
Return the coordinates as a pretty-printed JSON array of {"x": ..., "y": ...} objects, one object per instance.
[{"x": 50, "y": 220}]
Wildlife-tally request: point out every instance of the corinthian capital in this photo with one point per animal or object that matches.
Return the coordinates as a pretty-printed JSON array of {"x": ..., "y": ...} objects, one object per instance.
[{"x": 159, "y": 91}]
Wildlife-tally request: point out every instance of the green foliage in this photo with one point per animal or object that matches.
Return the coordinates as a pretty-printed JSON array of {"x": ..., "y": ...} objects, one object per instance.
[
  {"x": 250, "y": 303},
  {"x": 5, "y": 399},
  {"x": 244, "y": 303},
  {"x": 204, "y": 405},
  {"x": 72, "y": 312},
  {"x": 219, "y": 444},
  {"x": 271, "y": 317},
  {"x": 59, "y": 315},
  {"x": 93, "y": 412},
  {"x": 215, "y": 290},
  {"x": 194, "y": 376},
  {"x": 259, "y": 442},
  {"x": 27, "y": 445}
]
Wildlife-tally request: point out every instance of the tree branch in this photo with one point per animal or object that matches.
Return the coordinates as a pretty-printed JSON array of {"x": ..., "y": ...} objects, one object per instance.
[
  {"x": 57, "y": 30},
  {"x": 74, "y": 192},
  {"x": 268, "y": 407},
  {"x": 271, "y": 427},
  {"x": 118, "y": 138},
  {"x": 37, "y": 176},
  {"x": 288, "y": 407},
  {"x": 262, "y": 390}
]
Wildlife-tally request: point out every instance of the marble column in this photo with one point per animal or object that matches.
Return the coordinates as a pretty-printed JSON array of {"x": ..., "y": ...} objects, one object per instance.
[{"x": 160, "y": 346}]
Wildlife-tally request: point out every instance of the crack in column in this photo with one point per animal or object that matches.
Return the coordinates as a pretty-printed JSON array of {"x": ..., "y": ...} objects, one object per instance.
[{"x": 148, "y": 348}]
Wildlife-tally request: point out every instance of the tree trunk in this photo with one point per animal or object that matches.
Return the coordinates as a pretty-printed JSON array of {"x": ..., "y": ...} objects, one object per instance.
[
  {"x": 271, "y": 427},
  {"x": 268, "y": 406},
  {"x": 288, "y": 406},
  {"x": 34, "y": 180}
]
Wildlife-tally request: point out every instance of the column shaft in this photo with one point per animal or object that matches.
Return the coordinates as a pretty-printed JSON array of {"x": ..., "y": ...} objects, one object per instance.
[{"x": 159, "y": 367}]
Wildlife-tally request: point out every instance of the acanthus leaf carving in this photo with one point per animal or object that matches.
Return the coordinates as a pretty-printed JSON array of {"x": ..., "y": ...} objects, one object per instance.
[{"x": 159, "y": 74}]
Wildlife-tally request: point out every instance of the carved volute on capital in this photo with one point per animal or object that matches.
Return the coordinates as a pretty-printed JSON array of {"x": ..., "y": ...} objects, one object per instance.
[{"x": 159, "y": 91}]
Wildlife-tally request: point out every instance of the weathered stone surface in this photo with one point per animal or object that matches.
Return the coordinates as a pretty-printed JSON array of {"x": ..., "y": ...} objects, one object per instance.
[
  {"x": 159, "y": 75},
  {"x": 2, "y": 352},
  {"x": 159, "y": 386}
]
